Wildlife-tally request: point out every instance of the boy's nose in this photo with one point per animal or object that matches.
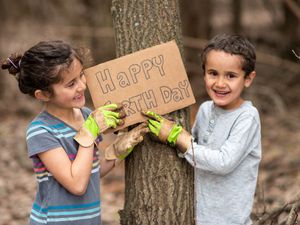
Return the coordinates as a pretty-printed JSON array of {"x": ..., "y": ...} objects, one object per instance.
[{"x": 220, "y": 82}]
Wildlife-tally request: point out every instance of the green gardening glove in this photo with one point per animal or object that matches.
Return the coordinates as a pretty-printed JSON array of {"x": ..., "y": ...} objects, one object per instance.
[
  {"x": 125, "y": 142},
  {"x": 103, "y": 118},
  {"x": 168, "y": 131},
  {"x": 109, "y": 116}
]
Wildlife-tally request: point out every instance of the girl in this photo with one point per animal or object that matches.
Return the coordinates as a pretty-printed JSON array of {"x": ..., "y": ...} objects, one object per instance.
[{"x": 60, "y": 140}]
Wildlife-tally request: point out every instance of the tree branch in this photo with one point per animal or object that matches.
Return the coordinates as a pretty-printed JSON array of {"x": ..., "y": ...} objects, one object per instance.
[
  {"x": 293, "y": 7},
  {"x": 292, "y": 205},
  {"x": 296, "y": 54}
]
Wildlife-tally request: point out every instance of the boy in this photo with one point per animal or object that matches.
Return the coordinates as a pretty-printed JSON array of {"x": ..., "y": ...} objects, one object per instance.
[{"x": 225, "y": 145}]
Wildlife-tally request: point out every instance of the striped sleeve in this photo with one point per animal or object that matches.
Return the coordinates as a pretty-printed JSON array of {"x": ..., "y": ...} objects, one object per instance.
[{"x": 41, "y": 137}]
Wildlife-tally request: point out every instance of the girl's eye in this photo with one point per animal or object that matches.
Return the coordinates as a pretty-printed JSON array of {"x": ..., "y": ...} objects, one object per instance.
[{"x": 71, "y": 84}]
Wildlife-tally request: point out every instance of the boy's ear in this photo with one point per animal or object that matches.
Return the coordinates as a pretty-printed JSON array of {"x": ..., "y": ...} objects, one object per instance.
[
  {"x": 249, "y": 79},
  {"x": 42, "y": 95}
]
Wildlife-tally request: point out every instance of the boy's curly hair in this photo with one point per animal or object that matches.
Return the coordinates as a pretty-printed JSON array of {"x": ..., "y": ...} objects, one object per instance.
[{"x": 235, "y": 45}]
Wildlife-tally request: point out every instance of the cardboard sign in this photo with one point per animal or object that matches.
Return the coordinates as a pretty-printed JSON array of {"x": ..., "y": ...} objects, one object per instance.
[{"x": 151, "y": 79}]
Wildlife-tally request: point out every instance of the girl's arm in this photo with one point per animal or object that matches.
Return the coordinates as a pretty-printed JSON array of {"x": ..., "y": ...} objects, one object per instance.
[
  {"x": 72, "y": 175},
  {"x": 106, "y": 166},
  {"x": 122, "y": 146}
]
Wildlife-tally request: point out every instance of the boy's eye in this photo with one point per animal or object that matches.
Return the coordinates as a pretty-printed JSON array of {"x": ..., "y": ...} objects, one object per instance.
[
  {"x": 212, "y": 73},
  {"x": 230, "y": 76}
]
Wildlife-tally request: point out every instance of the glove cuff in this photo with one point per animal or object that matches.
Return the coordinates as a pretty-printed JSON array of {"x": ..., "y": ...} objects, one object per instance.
[
  {"x": 165, "y": 130},
  {"x": 84, "y": 137},
  {"x": 91, "y": 125},
  {"x": 124, "y": 155},
  {"x": 184, "y": 141},
  {"x": 111, "y": 153},
  {"x": 175, "y": 132}
]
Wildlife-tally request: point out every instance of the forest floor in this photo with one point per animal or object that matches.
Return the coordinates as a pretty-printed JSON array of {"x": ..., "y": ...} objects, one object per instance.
[{"x": 279, "y": 179}]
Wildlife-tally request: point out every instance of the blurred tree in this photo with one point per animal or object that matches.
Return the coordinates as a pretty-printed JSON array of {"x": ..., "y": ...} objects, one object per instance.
[
  {"x": 290, "y": 28},
  {"x": 94, "y": 21},
  {"x": 159, "y": 185},
  {"x": 237, "y": 16},
  {"x": 195, "y": 15}
]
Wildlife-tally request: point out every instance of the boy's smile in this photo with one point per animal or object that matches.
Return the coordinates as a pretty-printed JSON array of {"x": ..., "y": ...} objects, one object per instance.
[{"x": 225, "y": 80}]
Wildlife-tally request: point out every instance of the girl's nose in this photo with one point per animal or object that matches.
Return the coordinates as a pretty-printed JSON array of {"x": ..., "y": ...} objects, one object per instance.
[{"x": 82, "y": 84}]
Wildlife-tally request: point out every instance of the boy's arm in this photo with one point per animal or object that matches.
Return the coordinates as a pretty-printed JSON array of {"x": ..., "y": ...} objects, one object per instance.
[
  {"x": 244, "y": 136},
  {"x": 168, "y": 131}
]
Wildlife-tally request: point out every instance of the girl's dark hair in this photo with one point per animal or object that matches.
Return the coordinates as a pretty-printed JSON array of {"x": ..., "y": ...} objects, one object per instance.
[
  {"x": 235, "y": 45},
  {"x": 40, "y": 66}
]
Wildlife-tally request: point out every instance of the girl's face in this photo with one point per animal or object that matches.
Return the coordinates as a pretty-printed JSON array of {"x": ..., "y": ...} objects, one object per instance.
[
  {"x": 69, "y": 93},
  {"x": 225, "y": 80}
]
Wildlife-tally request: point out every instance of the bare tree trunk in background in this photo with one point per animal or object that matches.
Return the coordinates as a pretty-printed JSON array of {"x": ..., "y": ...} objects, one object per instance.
[
  {"x": 290, "y": 29},
  {"x": 237, "y": 16},
  {"x": 196, "y": 16},
  {"x": 95, "y": 20},
  {"x": 158, "y": 184},
  {"x": 2, "y": 80}
]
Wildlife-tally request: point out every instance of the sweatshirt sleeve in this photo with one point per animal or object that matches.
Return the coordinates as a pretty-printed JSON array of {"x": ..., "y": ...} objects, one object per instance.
[{"x": 244, "y": 136}]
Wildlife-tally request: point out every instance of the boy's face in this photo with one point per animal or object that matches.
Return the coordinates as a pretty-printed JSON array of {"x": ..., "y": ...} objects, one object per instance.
[{"x": 225, "y": 80}]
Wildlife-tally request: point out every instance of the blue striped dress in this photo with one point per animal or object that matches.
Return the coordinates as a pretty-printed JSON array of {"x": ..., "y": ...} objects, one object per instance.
[{"x": 54, "y": 204}]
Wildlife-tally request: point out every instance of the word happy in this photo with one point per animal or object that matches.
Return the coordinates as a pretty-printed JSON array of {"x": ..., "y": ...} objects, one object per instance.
[{"x": 135, "y": 72}]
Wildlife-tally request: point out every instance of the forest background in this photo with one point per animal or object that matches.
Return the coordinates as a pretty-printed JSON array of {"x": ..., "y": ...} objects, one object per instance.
[{"x": 271, "y": 25}]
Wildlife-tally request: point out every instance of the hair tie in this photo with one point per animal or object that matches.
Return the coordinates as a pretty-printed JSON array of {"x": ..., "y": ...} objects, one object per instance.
[{"x": 12, "y": 63}]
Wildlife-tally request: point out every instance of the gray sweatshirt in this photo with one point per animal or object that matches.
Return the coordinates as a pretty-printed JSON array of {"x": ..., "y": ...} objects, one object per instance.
[{"x": 227, "y": 152}]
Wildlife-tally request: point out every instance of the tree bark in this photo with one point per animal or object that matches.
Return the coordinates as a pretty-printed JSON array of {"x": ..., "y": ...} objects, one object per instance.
[{"x": 159, "y": 186}]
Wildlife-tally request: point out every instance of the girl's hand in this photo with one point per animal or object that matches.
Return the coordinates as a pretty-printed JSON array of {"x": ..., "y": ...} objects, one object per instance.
[
  {"x": 103, "y": 118},
  {"x": 108, "y": 116},
  {"x": 125, "y": 142}
]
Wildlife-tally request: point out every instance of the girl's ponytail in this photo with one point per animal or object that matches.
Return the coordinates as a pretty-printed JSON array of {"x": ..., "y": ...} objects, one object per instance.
[{"x": 12, "y": 64}]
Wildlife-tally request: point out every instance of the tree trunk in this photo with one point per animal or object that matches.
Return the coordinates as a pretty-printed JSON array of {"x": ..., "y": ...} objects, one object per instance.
[
  {"x": 196, "y": 15},
  {"x": 237, "y": 16},
  {"x": 159, "y": 186},
  {"x": 291, "y": 31}
]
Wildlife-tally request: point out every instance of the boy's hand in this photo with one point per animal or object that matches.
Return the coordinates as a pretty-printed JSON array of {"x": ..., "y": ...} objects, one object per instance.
[
  {"x": 168, "y": 132},
  {"x": 125, "y": 142},
  {"x": 103, "y": 118}
]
